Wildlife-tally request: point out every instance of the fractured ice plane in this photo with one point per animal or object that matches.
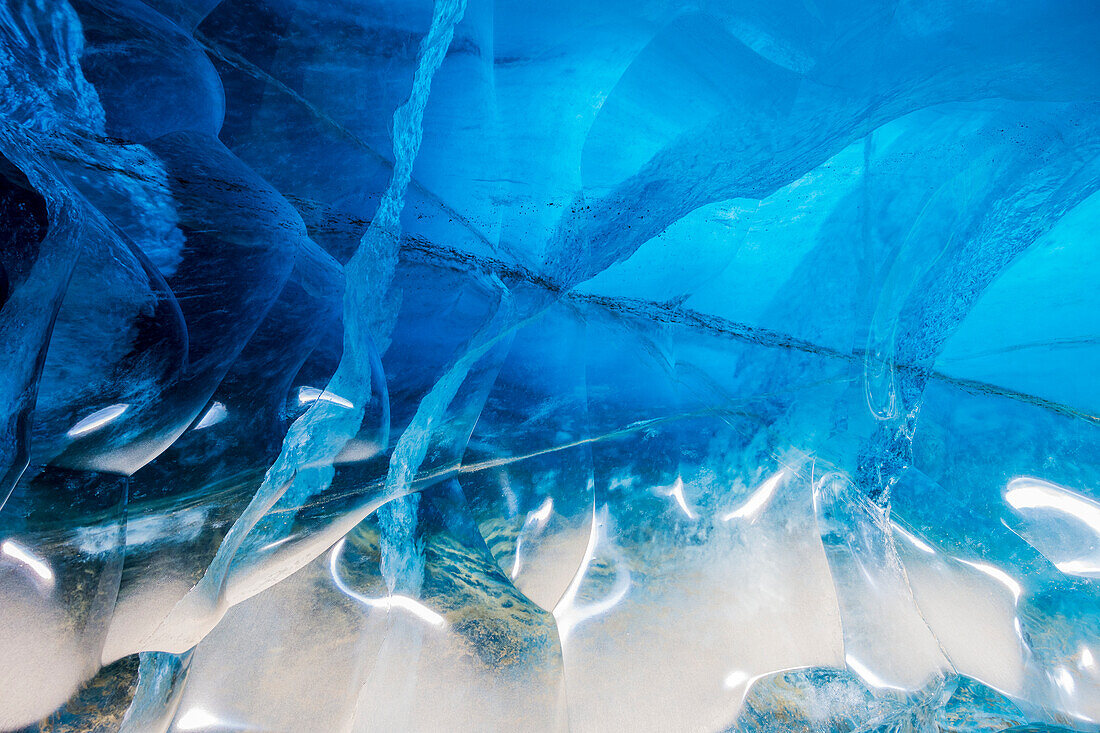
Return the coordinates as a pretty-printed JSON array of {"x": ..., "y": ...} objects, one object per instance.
[{"x": 467, "y": 365}]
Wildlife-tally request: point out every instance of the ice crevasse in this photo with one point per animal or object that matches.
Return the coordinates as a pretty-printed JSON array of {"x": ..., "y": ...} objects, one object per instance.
[{"x": 491, "y": 365}]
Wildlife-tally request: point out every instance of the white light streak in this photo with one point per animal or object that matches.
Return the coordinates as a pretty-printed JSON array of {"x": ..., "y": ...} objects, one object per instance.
[
  {"x": 312, "y": 394},
  {"x": 196, "y": 719},
  {"x": 867, "y": 675},
  {"x": 735, "y": 679},
  {"x": 1028, "y": 493},
  {"x": 531, "y": 525},
  {"x": 758, "y": 501},
  {"x": 999, "y": 575},
  {"x": 96, "y": 420},
  {"x": 1065, "y": 680},
  {"x": 912, "y": 539},
  {"x": 676, "y": 491},
  {"x": 386, "y": 603},
  {"x": 213, "y": 416},
  {"x": 16, "y": 551},
  {"x": 567, "y": 612}
]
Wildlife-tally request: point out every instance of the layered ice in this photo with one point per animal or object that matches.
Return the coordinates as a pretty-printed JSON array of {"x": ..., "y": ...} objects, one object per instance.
[{"x": 467, "y": 365}]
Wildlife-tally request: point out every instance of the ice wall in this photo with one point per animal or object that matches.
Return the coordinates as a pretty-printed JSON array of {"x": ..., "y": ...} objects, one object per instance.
[{"x": 469, "y": 365}]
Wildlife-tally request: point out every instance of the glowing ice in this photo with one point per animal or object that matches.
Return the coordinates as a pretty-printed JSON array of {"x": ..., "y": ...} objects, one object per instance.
[{"x": 465, "y": 365}]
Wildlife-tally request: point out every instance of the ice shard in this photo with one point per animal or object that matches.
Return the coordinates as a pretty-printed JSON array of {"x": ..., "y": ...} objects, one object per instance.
[{"x": 486, "y": 365}]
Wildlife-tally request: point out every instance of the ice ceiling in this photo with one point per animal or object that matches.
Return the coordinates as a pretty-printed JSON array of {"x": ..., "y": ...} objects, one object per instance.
[{"x": 598, "y": 365}]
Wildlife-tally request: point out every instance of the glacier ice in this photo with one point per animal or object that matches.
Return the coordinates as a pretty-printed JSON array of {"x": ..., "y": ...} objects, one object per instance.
[{"x": 492, "y": 365}]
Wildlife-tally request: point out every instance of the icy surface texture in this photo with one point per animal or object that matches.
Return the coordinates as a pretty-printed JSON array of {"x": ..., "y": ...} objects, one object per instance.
[{"x": 595, "y": 365}]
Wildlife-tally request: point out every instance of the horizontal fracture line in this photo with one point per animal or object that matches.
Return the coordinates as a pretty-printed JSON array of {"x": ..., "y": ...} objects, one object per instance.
[{"x": 671, "y": 314}]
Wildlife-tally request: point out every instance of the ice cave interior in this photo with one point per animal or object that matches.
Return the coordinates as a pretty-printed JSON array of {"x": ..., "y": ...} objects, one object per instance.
[{"x": 587, "y": 365}]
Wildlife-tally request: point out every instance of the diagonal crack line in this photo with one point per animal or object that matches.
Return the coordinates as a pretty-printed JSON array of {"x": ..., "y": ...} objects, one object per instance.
[{"x": 239, "y": 62}]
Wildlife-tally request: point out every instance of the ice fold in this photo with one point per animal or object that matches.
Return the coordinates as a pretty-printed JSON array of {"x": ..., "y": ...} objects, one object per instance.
[{"x": 376, "y": 365}]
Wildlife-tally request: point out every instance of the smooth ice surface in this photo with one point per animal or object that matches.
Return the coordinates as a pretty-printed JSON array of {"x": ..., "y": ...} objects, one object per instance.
[{"x": 377, "y": 365}]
